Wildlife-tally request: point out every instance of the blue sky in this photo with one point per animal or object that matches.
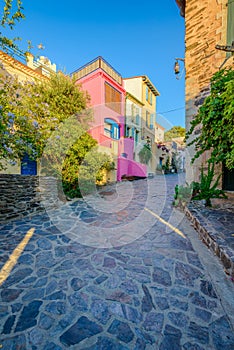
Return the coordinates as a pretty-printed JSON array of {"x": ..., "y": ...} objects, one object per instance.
[{"x": 135, "y": 37}]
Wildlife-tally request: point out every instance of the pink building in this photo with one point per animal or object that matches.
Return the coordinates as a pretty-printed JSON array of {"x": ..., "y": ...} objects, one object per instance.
[{"x": 104, "y": 85}]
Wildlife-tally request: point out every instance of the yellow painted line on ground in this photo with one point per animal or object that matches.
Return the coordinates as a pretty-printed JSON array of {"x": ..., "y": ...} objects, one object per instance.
[
  {"x": 166, "y": 223},
  {"x": 11, "y": 262}
]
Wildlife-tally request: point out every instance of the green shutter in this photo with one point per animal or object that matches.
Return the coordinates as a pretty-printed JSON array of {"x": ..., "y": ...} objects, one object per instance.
[{"x": 230, "y": 22}]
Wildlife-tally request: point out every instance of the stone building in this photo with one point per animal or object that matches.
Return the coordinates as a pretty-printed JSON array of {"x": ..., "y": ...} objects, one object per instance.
[{"x": 209, "y": 46}]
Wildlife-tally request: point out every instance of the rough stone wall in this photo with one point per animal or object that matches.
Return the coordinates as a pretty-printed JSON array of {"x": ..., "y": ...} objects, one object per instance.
[
  {"x": 25, "y": 195},
  {"x": 206, "y": 26}
]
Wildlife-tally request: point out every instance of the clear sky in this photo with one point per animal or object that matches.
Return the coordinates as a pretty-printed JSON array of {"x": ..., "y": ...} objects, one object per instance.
[{"x": 135, "y": 37}]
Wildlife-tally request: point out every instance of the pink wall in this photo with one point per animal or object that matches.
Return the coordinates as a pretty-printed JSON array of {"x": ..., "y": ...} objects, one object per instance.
[
  {"x": 126, "y": 145},
  {"x": 94, "y": 83},
  {"x": 130, "y": 168}
]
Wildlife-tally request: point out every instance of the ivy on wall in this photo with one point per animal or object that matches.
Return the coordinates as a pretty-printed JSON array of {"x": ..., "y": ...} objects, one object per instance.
[{"x": 216, "y": 116}]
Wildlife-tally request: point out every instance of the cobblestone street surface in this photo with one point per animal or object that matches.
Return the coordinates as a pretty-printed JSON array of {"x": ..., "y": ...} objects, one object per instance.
[{"x": 104, "y": 273}]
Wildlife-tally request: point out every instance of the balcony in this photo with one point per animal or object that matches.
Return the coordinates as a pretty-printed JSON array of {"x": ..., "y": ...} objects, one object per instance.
[{"x": 92, "y": 66}]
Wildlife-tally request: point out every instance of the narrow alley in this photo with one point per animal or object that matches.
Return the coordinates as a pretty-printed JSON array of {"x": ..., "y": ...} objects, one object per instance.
[{"x": 120, "y": 270}]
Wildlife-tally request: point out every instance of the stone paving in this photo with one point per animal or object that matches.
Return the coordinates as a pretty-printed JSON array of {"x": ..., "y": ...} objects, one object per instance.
[{"x": 105, "y": 274}]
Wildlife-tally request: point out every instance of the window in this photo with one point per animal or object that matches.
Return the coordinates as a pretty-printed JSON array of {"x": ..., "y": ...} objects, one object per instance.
[
  {"x": 111, "y": 129},
  {"x": 137, "y": 116},
  {"x": 137, "y": 137},
  {"x": 146, "y": 93},
  {"x": 230, "y": 23},
  {"x": 147, "y": 119},
  {"x": 127, "y": 131},
  {"x": 151, "y": 121},
  {"x": 112, "y": 98}
]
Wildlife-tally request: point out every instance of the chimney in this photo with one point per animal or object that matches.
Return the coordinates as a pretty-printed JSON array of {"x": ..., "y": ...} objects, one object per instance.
[{"x": 29, "y": 60}]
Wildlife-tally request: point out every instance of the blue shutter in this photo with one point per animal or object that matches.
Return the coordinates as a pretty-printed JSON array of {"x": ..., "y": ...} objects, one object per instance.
[{"x": 28, "y": 166}]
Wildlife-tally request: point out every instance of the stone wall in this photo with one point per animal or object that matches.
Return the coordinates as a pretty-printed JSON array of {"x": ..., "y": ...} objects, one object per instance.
[
  {"x": 25, "y": 195},
  {"x": 212, "y": 239},
  {"x": 206, "y": 26}
]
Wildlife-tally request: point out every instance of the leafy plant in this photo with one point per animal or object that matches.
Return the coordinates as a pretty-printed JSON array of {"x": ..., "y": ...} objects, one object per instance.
[
  {"x": 215, "y": 119},
  {"x": 207, "y": 188},
  {"x": 174, "y": 132},
  {"x": 38, "y": 107},
  {"x": 145, "y": 154},
  {"x": 84, "y": 166},
  {"x": 12, "y": 12},
  {"x": 166, "y": 166},
  {"x": 183, "y": 194}
]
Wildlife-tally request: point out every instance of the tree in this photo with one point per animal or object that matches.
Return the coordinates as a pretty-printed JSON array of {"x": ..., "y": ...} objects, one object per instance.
[
  {"x": 215, "y": 121},
  {"x": 48, "y": 120},
  {"x": 174, "y": 132},
  {"x": 33, "y": 110},
  {"x": 83, "y": 166},
  {"x": 12, "y": 12}
]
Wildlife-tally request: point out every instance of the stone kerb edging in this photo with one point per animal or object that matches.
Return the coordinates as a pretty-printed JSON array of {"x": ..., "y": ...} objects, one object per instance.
[
  {"x": 215, "y": 243},
  {"x": 24, "y": 195}
]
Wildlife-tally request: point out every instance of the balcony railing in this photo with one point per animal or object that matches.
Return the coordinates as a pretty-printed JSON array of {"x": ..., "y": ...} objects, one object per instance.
[{"x": 95, "y": 64}]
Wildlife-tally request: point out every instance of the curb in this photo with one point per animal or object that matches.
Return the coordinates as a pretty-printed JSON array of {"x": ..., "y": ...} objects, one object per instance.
[{"x": 213, "y": 241}]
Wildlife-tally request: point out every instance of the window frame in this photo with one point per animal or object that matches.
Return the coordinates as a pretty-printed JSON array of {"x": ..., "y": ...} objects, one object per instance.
[{"x": 114, "y": 130}]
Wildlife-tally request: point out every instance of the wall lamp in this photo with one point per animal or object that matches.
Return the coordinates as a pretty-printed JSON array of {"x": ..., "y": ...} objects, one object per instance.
[{"x": 177, "y": 67}]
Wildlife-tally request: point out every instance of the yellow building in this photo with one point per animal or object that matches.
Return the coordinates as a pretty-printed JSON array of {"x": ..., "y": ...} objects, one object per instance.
[
  {"x": 143, "y": 89},
  {"x": 133, "y": 129}
]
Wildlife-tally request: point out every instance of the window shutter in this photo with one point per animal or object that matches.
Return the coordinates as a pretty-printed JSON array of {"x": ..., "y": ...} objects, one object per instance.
[
  {"x": 230, "y": 23},
  {"x": 146, "y": 93},
  {"x": 112, "y": 98}
]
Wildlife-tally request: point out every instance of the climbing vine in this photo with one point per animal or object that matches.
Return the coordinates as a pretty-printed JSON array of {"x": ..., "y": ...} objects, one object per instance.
[{"x": 216, "y": 121}]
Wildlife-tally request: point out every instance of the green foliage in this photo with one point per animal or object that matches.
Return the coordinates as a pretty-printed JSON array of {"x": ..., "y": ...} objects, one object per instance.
[
  {"x": 166, "y": 166},
  {"x": 207, "y": 188},
  {"x": 6, "y": 132},
  {"x": 83, "y": 166},
  {"x": 183, "y": 194},
  {"x": 11, "y": 13},
  {"x": 216, "y": 119},
  {"x": 39, "y": 108},
  {"x": 145, "y": 154},
  {"x": 174, "y": 132}
]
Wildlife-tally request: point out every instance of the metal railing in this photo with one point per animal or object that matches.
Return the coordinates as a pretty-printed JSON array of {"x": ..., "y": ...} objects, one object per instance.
[{"x": 95, "y": 64}]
